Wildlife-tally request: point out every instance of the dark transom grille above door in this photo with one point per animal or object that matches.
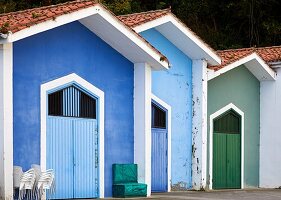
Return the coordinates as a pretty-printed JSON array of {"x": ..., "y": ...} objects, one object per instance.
[
  {"x": 158, "y": 117},
  {"x": 71, "y": 102}
]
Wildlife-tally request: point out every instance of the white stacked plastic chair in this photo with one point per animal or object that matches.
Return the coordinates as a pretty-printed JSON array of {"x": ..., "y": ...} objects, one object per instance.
[
  {"x": 27, "y": 181},
  {"x": 35, "y": 191},
  {"x": 17, "y": 173},
  {"x": 46, "y": 183}
]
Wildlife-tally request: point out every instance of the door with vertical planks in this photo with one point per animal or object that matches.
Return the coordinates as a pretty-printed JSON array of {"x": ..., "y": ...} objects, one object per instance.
[
  {"x": 85, "y": 158},
  {"x": 159, "y": 149},
  {"x": 72, "y": 143},
  {"x": 227, "y": 151},
  {"x": 60, "y": 155}
]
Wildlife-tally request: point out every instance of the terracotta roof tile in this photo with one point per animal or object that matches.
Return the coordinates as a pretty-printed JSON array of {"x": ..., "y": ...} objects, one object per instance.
[
  {"x": 16, "y": 21},
  {"x": 268, "y": 54},
  {"x": 137, "y": 19}
]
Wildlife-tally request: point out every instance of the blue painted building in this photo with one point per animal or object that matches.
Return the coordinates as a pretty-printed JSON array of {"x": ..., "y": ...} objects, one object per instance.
[
  {"x": 53, "y": 57},
  {"x": 175, "y": 88},
  {"x": 53, "y": 68},
  {"x": 183, "y": 88}
]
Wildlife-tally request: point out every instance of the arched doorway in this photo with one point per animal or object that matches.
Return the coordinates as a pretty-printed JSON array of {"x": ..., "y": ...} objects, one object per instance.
[
  {"x": 227, "y": 151},
  {"x": 72, "y": 136},
  {"x": 159, "y": 149}
]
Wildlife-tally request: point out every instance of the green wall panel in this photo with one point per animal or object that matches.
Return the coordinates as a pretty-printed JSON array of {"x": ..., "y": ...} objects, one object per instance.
[{"x": 241, "y": 88}]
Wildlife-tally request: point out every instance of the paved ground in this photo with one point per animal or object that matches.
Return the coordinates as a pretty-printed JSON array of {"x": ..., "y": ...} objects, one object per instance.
[{"x": 259, "y": 194}]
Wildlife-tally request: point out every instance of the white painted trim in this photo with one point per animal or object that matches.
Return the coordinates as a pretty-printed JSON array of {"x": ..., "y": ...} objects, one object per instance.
[
  {"x": 275, "y": 64},
  {"x": 214, "y": 116},
  {"x": 182, "y": 27},
  {"x": 142, "y": 123},
  {"x": 98, "y": 9},
  {"x": 168, "y": 108},
  {"x": 6, "y": 121},
  {"x": 59, "y": 83},
  {"x": 199, "y": 124},
  {"x": 53, "y": 23},
  {"x": 243, "y": 61},
  {"x": 152, "y": 24},
  {"x": 136, "y": 38}
]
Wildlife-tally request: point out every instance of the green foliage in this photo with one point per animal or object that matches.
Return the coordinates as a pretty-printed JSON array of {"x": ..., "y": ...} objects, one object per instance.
[
  {"x": 4, "y": 29},
  {"x": 119, "y": 7},
  {"x": 221, "y": 23},
  {"x": 7, "y": 6}
]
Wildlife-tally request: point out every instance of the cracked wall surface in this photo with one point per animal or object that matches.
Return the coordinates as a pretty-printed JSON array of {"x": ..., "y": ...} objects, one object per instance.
[
  {"x": 175, "y": 88},
  {"x": 199, "y": 122}
]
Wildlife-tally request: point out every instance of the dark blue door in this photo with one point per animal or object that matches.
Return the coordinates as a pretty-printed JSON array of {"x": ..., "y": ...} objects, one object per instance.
[{"x": 159, "y": 150}]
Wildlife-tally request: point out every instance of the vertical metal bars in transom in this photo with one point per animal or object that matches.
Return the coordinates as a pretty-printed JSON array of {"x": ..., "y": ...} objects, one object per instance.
[{"x": 71, "y": 102}]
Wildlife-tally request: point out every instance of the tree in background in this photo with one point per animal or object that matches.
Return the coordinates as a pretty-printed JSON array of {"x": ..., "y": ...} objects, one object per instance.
[{"x": 221, "y": 23}]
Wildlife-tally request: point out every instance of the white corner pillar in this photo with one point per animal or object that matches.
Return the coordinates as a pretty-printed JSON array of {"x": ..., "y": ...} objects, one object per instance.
[
  {"x": 199, "y": 124},
  {"x": 142, "y": 123},
  {"x": 6, "y": 121}
]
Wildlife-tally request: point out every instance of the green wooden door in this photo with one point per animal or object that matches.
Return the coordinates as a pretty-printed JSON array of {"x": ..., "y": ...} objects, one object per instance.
[{"x": 227, "y": 151}]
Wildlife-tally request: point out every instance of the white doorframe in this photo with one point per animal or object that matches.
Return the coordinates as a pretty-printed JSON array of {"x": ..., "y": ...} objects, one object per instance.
[
  {"x": 99, "y": 94},
  {"x": 212, "y": 117},
  {"x": 168, "y": 108}
]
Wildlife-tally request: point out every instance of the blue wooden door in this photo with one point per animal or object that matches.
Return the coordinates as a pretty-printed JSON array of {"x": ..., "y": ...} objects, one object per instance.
[
  {"x": 159, "y": 149},
  {"x": 159, "y": 160},
  {"x": 60, "y": 155},
  {"x": 72, "y": 152},
  {"x": 86, "y": 158}
]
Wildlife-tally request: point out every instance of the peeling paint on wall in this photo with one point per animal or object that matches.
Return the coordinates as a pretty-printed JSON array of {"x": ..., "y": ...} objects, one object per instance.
[
  {"x": 199, "y": 129},
  {"x": 175, "y": 88},
  {"x": 180, "y": 186}
]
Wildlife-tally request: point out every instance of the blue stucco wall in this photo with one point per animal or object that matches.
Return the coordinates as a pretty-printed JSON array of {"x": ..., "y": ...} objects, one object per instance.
[
  {"x": 175, "y": 88},
  {"x": 58, "y": 52}
]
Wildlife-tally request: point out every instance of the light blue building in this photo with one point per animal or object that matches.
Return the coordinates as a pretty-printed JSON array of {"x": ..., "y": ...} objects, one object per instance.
[
  {"x": 75, "y": 95},
  {"x": 183, "y": 88}
]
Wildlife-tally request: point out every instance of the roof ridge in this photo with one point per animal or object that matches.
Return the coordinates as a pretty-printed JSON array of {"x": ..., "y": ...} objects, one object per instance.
[
  {"x": 46, "y": 7},
  {"x": 28, "y": 21},
  {"x": 147, "y": 12},
  {"x": 249, "y": 48},
  {"x": 238, "y": 49},
  {"x": 270, "y": 47}
]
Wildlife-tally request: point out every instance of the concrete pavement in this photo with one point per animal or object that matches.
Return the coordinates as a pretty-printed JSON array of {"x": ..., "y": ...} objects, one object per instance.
[{"x": 257, "y": 194}]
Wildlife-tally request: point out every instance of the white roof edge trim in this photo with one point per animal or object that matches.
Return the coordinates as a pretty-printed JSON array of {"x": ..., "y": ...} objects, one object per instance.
[
  {"x": 152, "y": 24},
  {"x": 133, "y": 36},
  {"x": 83, "y": 13},
  {"x": 171, "y": 18},
  {"x": 254, "y": 56},
  {"x": 275, "y": 64},
  {"x": 50, "y": 24}
]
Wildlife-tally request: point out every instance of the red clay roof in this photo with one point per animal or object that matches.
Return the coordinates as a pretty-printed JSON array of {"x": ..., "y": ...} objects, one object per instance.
[
  {"x": 268, "y": 54},
  {"x": 137, "y": 19},
  {"x": 17, "y": 21}
]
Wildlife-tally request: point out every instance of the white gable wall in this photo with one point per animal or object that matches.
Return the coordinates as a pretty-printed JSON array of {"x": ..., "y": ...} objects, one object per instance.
[{"x": 270, "y": 132}]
